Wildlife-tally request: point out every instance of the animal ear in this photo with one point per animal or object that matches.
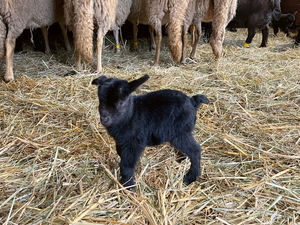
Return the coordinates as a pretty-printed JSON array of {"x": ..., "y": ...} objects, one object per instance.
[
  {"x": 203, "y": 99},
  {"x": 133, "y": 85},
  {"x": 98, "y": 81}
]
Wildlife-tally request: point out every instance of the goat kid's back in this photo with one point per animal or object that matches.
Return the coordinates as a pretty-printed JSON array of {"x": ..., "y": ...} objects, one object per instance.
[{"x": 164, "y": 109}]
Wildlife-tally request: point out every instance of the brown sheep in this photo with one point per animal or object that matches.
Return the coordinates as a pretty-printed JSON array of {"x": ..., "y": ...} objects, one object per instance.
[
  {"x": 16, "y": 16},
  {"x": 123, "y": 10},
  {"x": 156, "y": 13},
  {"x": 79, "y": 17},
  {"x": 220, "y": 12},
  {"x": 82, "y": 14}
]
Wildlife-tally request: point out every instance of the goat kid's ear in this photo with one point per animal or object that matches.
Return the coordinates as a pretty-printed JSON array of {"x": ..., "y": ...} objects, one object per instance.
[
  {"x": 204, "y": 99},
  {"x": 98, "y": 81},
  {"x": 133, "y": 85}
]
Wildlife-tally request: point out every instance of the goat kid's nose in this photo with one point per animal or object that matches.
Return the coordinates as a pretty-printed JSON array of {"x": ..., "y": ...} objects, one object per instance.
[{"x": 105, "y": 120}]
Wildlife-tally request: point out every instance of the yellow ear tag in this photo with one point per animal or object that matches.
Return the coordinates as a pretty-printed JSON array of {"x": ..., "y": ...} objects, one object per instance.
[
  {"x": 246, "y": 45},
  {"x": 135, "y": 43},
  {"x": 118, "y": 46}
]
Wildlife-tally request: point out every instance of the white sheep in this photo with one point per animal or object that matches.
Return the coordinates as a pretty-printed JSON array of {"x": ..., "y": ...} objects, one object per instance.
[
  {"x": 123, "y": 9},
  {"x": 79, "y": 18},
  {"x": 80, "y": 14},
  {"x": 157, "y": 13},
  {"x": 17, "y": 16},
  {"x": 220, "y": 12}
]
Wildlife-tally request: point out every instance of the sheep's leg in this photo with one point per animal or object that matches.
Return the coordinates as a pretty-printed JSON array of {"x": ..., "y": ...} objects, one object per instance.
[
  {"x": 189, "y": 147},
  {"x": 129, "y": 157},
  {"x": 158, "y": 39},
  {"x": 276, "y": 30},
  {"x": 78, "y": 61},
  {"x": 192, "y": 31},
  {"x": 65, "y": 36},
  {"x": 196, "y": 40},
  {"x": 135, "y": 30},
  {"x": 10, "y": 48},
  {"x": 184, "y": 43},
  {"x": 265, "y": 34},
  {"x": 45, "y": 34},
  {"x": 251, "y": 33},
  {"x": 116, "y": 35},
  {"x": 219, "y": 24},
  {"x": 152, "y": 38},
  {"x": 100, "y": 37},
  {"x": 297, "y": 41}
]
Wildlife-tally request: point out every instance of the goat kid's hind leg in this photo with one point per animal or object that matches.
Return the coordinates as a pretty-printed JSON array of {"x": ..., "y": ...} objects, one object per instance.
[
  {"x": 189, "y": 147},
  {"x": 129, "y": 157}
]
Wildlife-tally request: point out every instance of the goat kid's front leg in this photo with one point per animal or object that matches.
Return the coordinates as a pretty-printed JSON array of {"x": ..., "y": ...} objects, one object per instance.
[{"x": 129, "y": 157}]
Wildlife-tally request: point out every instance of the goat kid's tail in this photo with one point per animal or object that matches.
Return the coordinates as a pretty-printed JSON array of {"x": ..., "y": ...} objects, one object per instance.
[
  {"x": 2, "y": 38},
  {"x": 83, "y": 26},
  {"x": 175, "y": 27},
  {"x": 197, "y": 100}
]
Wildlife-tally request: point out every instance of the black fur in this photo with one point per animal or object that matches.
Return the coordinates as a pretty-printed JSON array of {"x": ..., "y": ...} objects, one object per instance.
[
  {"x": 146, "y": 120},
  {"x": 297, "y": 41},
  {"x": 253, "y": 15},
  {"x": 282, "y": 22}
]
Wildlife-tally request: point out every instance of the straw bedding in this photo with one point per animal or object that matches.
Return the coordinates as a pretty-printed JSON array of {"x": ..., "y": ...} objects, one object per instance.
[{"x": 59, "y": 166}]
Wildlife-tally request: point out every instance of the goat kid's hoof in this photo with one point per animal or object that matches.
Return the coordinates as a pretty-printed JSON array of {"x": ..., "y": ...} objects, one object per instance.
[
  {"x": 189, "y": 180},
  {"x": 129, "y": 184}
]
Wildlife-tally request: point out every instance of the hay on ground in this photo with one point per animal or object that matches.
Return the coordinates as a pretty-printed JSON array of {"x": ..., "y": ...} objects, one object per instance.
[{"x": 59, "y": 166}]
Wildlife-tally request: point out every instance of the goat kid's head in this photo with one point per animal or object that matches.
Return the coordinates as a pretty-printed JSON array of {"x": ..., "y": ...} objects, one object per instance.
[{"x": 114, "y": 98}]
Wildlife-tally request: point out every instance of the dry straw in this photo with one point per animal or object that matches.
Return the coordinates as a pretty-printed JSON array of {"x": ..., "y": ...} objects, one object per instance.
[{"x": 59, "y": 166}]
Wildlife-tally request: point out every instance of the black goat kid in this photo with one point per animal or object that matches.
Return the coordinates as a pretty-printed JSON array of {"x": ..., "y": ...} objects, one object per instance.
[{"x": 146, "y": 120}]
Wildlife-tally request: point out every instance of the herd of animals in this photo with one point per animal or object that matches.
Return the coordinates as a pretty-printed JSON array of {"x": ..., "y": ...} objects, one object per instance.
[
  {"x": 162, "y": 116},
  {"x": 82, "y": 16}
]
